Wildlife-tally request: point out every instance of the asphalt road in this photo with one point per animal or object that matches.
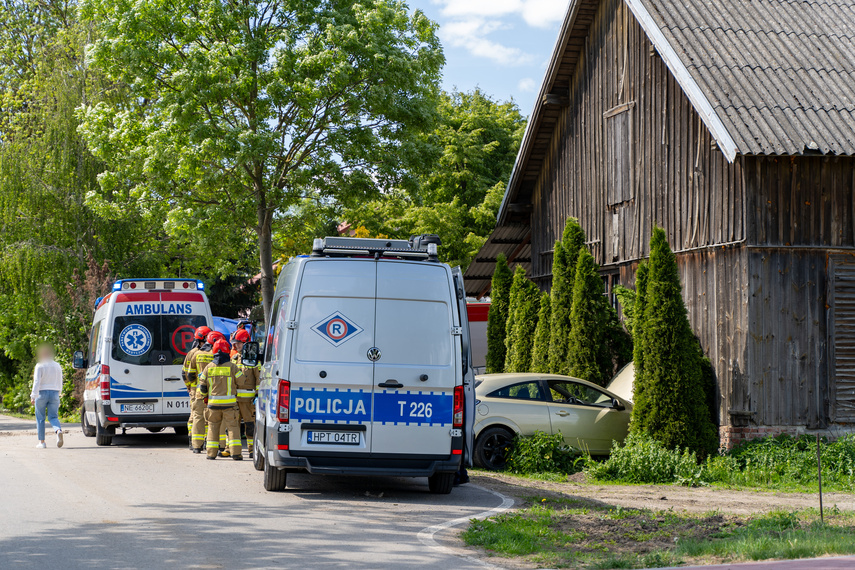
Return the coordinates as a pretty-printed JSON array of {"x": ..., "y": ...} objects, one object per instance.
[{"x": 147, "y": 502}]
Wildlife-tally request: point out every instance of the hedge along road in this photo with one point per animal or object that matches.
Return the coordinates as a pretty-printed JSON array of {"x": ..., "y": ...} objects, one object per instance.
[{"x": 147, "y": 502}]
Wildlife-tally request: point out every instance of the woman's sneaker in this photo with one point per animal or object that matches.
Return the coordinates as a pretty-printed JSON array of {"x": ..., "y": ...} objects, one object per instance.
[
  {"x": 59, "y": 438},
  {"x": 41, "y": 445}
]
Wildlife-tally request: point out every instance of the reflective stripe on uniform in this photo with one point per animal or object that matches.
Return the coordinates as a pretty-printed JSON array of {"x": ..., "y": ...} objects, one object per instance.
[
  {"x": 200, "y": 436},
  {"x": 221, "y": 400},
  {"x": 213, "y": 444},
  {"x": 234, "y": 443},
  {"x": 246, "y": 393}
]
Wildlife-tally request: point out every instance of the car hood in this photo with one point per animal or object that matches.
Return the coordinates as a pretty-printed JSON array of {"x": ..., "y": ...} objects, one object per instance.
[{"x": 621, "y": 384}]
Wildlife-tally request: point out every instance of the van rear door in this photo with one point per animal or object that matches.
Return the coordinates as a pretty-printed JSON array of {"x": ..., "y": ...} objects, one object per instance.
[
  {"x": 415, "y": 374},
  {"x": 183, "y": 313},
  {"x": 331, "y": 375}
]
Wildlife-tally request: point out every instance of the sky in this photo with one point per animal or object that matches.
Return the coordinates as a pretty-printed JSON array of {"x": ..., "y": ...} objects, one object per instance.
[{"x": 501, "y": 46}]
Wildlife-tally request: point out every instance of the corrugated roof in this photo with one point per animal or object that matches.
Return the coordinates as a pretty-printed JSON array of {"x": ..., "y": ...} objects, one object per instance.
[
  {"x": 512, "y": 240},
  {"x": 779, "y": 74}
]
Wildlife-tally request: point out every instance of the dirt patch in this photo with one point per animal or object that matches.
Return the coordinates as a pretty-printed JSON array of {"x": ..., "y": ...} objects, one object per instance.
[{"x": 658, "y": 497}]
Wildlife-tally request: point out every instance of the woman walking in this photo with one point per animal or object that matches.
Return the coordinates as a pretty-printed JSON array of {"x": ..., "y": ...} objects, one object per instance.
[{"x": 47, "y": 383}]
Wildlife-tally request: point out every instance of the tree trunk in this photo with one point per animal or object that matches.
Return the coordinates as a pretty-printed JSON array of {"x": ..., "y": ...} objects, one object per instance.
[{"x": 265, "y": 252}]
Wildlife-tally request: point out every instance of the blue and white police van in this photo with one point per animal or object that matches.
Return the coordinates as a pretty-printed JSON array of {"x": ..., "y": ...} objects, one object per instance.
[
  {"x": 140, "y": 334},
  {"x": 366, "y": 368}
]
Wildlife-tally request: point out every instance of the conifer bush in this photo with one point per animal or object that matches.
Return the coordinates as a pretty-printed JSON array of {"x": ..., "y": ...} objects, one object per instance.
[
  {"x": 497, "y": 318},
  {"x": 564, "y": 258},
  {"x": 522, "y": 322},
  {"x": 589, "y": 357},
  {"x": 540, "y": 354}
]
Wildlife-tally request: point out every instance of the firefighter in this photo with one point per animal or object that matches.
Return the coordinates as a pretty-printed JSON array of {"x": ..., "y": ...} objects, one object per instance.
[
  {"x": 190, "y": 376},
  {"x": 201, "y": 358},
  {"x": 247, "y": 387},
  {"x": 218, "y": 383}
]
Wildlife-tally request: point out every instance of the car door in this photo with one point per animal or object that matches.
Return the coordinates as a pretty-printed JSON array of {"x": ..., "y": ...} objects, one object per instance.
[
  {"x": 331, "y": 375},
  {"x": 522, "y": 403},
  {"x": 136, "y": 375},
  {"x": 417, "y": 367},
  {"x": 585, "y": 416}
]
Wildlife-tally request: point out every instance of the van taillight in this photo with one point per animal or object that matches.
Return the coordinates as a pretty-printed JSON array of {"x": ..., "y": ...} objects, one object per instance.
[
  {"x": 284, "y": 407},
  {"x": 105, "y": 382},
  {"x": 457, "y": 421}
]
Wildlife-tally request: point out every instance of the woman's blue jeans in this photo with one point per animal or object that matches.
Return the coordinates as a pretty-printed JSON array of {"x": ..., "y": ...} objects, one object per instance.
[{"x": 47, "y": 404}]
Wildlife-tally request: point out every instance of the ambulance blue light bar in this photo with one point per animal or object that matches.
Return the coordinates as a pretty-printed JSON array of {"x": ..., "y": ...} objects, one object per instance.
[{"x": 157, "y": 284}]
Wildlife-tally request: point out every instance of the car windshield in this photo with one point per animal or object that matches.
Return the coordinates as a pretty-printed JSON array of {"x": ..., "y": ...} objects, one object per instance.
[
  {"x": 154, "y": 340},
  {"x": 564, "y": 392}
]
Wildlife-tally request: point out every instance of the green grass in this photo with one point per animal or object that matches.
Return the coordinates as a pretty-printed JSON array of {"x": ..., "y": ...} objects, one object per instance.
[{"x": 572, "y": 533}]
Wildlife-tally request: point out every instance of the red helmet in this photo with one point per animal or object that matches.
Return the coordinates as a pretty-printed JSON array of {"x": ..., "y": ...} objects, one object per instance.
[
  {"x": 242, "y": 335},
  {"x": 202, "y": 332},
  {"x": 222, "y": 345},
  {"x": 214, "y": 336}
]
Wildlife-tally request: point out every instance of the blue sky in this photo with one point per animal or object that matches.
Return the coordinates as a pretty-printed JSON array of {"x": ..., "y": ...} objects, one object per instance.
[{"x": 501, "y": 46}]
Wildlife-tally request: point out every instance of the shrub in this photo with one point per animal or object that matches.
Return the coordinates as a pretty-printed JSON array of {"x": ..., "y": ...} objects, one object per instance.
[
  {"x": 522, "y": 321},
  {"x": 497, "y": 318},
  {"x": 642, "y": 459},
  {"x": 542, "y": 453},
  {"x": 540, "y": 352},
  {"x": 564, "y": 260},
  {"x": 589, "y": 356}
]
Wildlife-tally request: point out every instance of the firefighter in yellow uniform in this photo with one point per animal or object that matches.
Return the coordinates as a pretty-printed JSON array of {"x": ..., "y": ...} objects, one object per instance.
[
  {"x": 218, "y": 383},
  {"x": 190, "y": 377},
  {"x": 247, "y": 388},
  {"x": 203, "y": 358}
]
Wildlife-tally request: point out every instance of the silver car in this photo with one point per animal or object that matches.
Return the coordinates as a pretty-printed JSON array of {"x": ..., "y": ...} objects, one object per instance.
[{"x": 589, "y": 417}]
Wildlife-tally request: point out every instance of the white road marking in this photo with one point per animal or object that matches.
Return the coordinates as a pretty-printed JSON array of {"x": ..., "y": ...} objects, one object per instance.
[{"x": 427, "y": 536}]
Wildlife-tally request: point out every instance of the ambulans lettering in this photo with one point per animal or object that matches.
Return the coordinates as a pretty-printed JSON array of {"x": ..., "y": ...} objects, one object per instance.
[
  {"x": 159, "y": 309},
  {"x": 330, "y": 405}
]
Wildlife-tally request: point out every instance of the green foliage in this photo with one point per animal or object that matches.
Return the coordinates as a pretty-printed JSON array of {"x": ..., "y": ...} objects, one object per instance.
[
  {"x": 250, "y": 108},
  {"x": 639, "y": 420},
  {"x": 522, "y": 322},
  {"x": 456, "y": 180},
  {"x": 497, "y": 318},
  {"x": 672, "y": 403},
  {"x": 642, "y": 459},
  {"x": 540, "y": 351},
  {"x": 589, "y": 358},
  {"x": 626, "y": 298},
  {"x": 541, "y": 453},
  {"x": 564, "y": 258}
]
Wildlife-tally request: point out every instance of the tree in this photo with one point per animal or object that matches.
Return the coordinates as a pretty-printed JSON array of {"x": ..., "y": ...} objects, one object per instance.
[
  {"x": 230, "y": 113},
  {"x": 522, "y": 322},
  {"x": 456, "y": 179},
  {"x": 564, "y": 258},
  {"x": 497, "y": 318},
  {"x": 589, "y": 357},
  {"x": 639, "y": 394},
  {"x": 540, "y": 352},
  {"x": 673, "y": 408}
]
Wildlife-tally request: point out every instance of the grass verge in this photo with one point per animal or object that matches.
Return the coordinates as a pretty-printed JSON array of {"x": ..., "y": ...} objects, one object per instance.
[{"x": 573, "y": 533}]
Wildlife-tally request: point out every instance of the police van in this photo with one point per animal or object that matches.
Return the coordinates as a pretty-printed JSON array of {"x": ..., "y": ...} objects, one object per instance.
[
  {"x": 140, "y": 335},
  {"x": 366, "y": 369}
]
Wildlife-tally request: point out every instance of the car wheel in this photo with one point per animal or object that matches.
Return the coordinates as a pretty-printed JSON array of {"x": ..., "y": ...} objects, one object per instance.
[
  {"x": 103, "y": 436},
  {"x": 88, "y": 429},
  {"x": 274, "y": 479},
  {"x": 492, "y": 448},
  {"x": 257, "y": 453},
  {"x": 441, "y": 483},
  {"x": 181, "y": 430}
]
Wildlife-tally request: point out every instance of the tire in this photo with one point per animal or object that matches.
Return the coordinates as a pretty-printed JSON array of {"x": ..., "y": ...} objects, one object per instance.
[
  {"x": 274, "y": 479},
  {"x": 181, "y": 430},
  {"x": 103, "y": 436},
  {"x": 155, "y": 429},
  {"x": 257, "y": 454},
  {"x": 441, "y": 483},
  {"x": 491, "y": 448},
  {"x": 88, "y": 429}
]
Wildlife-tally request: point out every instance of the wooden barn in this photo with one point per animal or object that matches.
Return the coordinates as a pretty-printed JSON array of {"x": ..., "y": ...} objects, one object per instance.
[{"x": 732, "y": 125}]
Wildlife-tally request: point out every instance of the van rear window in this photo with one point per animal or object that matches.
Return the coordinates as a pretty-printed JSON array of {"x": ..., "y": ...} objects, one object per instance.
[{"x": 154, "y": 340}]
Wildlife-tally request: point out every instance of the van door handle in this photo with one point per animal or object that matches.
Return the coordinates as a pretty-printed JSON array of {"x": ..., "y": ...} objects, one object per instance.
[
  {"x": 562, "y": 413},
  {"x": 391, "y": 383},
  {"x": 172, "y": 379}
]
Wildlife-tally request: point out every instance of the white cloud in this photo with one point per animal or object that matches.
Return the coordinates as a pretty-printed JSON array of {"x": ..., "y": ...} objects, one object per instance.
[
  {"x": 536, "y": 13},
  {"x": 526, "y": 84},
  {"x": 471, "y": 34}
]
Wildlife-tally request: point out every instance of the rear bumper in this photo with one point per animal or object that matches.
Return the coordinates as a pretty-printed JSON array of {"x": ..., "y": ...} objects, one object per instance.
[
  {"x": 384, "y": 466},
  {"x": 140, "y": 420}
]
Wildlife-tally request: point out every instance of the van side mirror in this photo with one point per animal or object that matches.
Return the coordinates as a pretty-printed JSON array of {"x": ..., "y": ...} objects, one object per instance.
[
  {"x": 249, "y": 355},
  {"x": 617, "y": 405},
  {"x": 78, "y": 361}
]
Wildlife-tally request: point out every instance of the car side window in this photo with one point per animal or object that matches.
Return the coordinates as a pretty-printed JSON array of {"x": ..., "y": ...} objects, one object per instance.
[
  {"x": 272, "y": 336},
  {"x": 566, "y": 392},
  {"x": 521, "y": 391},
  {"x": 95, "y": 343}
]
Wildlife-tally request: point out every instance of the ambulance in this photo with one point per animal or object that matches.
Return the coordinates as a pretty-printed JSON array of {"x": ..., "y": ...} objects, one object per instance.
[
  {"x": 140, "y": 335},
  {"x": 367, "y": 367}
]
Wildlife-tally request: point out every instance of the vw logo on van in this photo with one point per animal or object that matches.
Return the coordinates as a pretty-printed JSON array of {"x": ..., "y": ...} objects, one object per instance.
[{"x": 374, "y": 354}]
